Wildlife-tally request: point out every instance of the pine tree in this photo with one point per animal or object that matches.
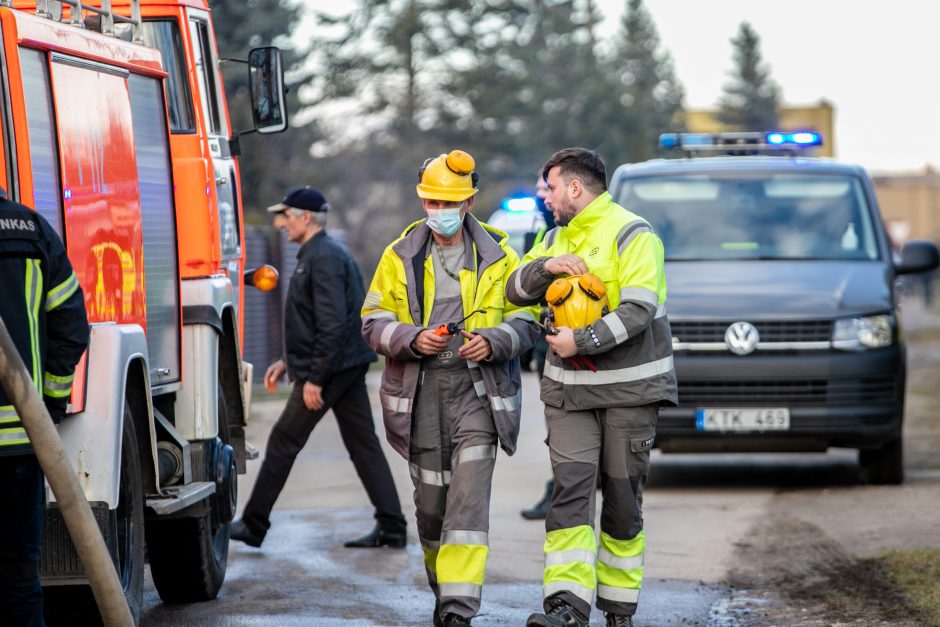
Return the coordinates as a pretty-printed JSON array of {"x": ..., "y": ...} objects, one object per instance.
[
  {"x": 647, "y": 83},
  {"x": 271, "y": 164},
  {"x": 750, "y": 101}
]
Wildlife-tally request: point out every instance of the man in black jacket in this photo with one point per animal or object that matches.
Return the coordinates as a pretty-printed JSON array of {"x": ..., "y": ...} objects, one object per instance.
[
  {"x": 43, "y": 309},
  {"x": 327, "y": 360}
]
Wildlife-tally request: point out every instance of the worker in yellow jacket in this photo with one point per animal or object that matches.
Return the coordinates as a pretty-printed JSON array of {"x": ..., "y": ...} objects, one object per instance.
[
  {"x": 609, "y": 369},
  {"x": 450, "y": 391}
]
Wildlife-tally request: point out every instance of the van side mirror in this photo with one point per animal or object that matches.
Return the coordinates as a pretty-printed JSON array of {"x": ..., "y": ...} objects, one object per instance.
[
  {"x": 266, "y": 82},
  {"x": 918, "y": 256}
]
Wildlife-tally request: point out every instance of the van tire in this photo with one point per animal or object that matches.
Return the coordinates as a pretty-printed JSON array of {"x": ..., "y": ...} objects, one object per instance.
[
  {"x": 189, "y": 556},
  {"x": 885, "y": 465},
  {"x": 75, "y": 605}
]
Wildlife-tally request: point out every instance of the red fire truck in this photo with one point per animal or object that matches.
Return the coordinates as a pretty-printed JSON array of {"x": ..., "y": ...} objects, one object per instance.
[{"x": 115, "y": 128}]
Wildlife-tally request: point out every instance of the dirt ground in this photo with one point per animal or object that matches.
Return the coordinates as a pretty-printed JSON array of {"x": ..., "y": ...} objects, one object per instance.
[{"x": 818, "y": 556}]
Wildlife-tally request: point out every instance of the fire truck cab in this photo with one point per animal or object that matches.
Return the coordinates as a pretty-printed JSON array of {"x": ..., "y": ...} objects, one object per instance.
[{"x": 115, "y": 129}]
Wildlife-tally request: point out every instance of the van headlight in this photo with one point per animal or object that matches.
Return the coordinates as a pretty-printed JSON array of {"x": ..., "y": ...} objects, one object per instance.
[{"x": 859, "y": 334}]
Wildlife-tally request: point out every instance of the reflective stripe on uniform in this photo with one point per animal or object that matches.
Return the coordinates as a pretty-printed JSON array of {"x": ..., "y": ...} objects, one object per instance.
[
  {"x": 569, "y": 562},
  {"x": 386, "y": 338},
  {"x": 505, "y": 403},
  {"x": 465, "y": 536},
  {"x": 452, "y": 589},
  {"x": 396, "y": 403},
  {"x": 517, "y": 284},
  {"x": 613, "y": 322},
  {"x": 61, "y": 292},
  {"x": 604, "y": 377},
  {"x": 429, "y": 477},
  {"x": 480, "y": 388},
  {"x": 430, "y": 550},
  {"x": 639, "y": 294},
  {"x": 472, "y": 453},
  {"x": 629, "y": 232},
  {"x": 33, "y": 296},
  {"x": 57, "y": 386},
  {"x": 8, "y": 414},
  {"x": 513, "y": 336},
  {"x": 12, "y": 437},
  {"x": 461, "y": 562},
  {"x": 620, "y": 568},
  {"x": 622, "y": 595}
]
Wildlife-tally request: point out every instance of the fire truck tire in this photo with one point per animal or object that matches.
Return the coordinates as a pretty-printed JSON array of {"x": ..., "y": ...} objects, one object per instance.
[
  {"x": 188, "y": 556},
  {"x": 883, "y": 465},
  {"x": 74, "y": 605}
]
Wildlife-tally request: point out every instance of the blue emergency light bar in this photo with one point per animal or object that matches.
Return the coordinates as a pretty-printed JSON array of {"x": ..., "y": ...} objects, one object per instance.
[
  {"x": 519, "y": 204},
  {"x": 713, "y": 142}
]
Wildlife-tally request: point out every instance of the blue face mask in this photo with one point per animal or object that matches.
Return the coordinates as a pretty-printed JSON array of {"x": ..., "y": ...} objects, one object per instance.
[{"x": 445, "y": 222}]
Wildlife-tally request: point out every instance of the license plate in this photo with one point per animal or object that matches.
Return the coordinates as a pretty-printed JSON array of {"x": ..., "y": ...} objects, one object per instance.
[{"x": 743, "y": 419}]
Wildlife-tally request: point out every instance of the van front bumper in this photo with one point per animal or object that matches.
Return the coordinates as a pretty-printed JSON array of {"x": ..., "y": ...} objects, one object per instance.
[{"x": 834, "y": 398}]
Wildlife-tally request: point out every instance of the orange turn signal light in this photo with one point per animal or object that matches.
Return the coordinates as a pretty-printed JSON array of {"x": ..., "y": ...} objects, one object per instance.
[{"x": 264, "y": 278}]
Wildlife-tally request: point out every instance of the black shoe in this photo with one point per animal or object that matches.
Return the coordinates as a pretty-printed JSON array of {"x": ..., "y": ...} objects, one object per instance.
[
  {"x": 619, "y": 620},
  {"x": 452, "y": 620},
  {"x": 561, "y": 615},
  {"x": 437, "y": 614},
  {"x": 378, "y": 537},
  {"x": 540, "y": 510},
  {"x": 240, "y": 531}
]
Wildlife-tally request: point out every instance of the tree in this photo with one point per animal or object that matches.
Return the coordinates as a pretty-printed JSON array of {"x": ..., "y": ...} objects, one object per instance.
[
  {"x": 270, "y": 164},
  {"x": 648, "y": 85},
  {"x": 750, "y": 101}
]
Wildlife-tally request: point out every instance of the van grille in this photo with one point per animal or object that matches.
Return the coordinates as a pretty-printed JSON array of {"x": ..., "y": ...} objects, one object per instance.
[
  {"x": 690, "y": 331},
  {"x": 788, "y": 393}
]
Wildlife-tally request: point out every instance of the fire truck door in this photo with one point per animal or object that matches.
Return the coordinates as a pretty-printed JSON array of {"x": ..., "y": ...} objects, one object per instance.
[{"x": 217, "y": 125}]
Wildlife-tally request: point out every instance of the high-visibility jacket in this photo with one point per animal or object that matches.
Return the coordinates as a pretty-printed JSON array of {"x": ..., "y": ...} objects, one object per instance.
[
  {"x": 631, "y": 346},
  {"x": 43, "y": 309},
  {"x": 397, "y": 308}
]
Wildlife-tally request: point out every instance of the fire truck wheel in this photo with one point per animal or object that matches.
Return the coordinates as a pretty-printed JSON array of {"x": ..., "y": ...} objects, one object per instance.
[
  {"x": 188, "y": 556},
  {"x": 73, "y": 605}
]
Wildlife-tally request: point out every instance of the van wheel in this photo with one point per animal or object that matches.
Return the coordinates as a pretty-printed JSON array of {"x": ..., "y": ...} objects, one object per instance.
[
  {"x": 189, "y": 556},
  {"x": 883, "y": 465},
  {"x": 73, "y": 605}
]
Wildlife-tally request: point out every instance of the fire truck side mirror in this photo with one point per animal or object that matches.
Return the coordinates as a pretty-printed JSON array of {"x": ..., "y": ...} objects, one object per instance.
[
  {"x": 264, "y": 278},
  {"x": 266, "y": 82}
]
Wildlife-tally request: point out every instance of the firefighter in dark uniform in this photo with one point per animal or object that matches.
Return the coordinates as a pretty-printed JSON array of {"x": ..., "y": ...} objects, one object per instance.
[
  {"x": 43, "y": 309},
  {"x": 327, "y": 360}
]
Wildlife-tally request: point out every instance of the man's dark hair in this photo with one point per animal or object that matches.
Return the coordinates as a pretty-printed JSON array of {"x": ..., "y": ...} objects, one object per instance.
[{"x": 582, "y": 164}]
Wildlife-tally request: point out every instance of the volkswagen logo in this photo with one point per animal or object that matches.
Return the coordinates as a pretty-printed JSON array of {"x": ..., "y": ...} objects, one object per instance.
[{"x": 741, "y": 338}]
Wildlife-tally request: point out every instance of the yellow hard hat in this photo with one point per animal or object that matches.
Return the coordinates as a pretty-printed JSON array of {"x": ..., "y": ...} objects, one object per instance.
[
  {"x": 577, "y": 301},
  {"x": 448, "y": 177}
]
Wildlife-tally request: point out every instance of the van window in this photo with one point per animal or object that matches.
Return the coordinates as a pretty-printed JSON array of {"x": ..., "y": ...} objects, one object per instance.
[
  {"x": 773, "y": 216},
  {"x": 43, "y": 155},
  {"x": 165, "y": 36}
]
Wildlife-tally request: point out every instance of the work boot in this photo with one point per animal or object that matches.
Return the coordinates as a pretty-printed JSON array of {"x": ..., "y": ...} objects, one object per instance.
[
  {"x": 378, "y": 537},
  {"x": 453, "y": 620},
  {"x": 560, "y": 615},
  {"x": 619, "y": 620},
  {"x": 540, "y": 510},
  {"x": 241, "y": 532}
]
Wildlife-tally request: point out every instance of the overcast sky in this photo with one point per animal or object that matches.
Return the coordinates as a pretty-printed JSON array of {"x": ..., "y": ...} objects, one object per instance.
[{"x": 878, "y": 62}]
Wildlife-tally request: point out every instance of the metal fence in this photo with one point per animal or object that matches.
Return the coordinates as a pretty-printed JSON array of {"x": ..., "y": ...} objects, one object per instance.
[{"x": 264, "y": 311}]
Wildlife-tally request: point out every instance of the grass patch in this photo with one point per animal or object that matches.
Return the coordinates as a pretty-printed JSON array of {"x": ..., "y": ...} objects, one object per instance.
[{"x": 916, "y": 573}]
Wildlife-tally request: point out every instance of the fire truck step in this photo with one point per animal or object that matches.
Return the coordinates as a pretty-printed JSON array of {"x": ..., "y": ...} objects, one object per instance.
[{"x": 175, "y": 498}]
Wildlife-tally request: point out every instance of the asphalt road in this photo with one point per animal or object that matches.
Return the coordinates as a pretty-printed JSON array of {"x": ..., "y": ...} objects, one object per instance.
[{"x": 709, "y": 519}]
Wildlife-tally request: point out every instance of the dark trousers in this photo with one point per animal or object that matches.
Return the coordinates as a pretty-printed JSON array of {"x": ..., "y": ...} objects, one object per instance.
[
  {"x": 346, "y": 394},
  {"x": 21, "y": 493}
]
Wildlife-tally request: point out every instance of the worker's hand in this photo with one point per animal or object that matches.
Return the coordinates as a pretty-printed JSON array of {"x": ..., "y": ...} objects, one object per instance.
[
  {"x": 568, "y": 263},
  {"x": 563, "y": 342},
  {"x": 476, "y": 349},
  {"x": 313, "y": 396},
  {"x": 429, "y": 344},
  {"x": 275, "y": 371}
]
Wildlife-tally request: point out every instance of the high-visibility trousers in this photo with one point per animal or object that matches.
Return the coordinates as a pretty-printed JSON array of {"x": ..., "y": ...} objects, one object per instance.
[
  {"x": 577, "y": 566},
  {"x": 453, "y": 452}
]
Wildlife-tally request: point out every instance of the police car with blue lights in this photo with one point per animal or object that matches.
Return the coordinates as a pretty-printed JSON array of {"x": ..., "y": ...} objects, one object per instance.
[
  {"x": 782, "y": 298},
  {"x": 520, "y": 218}
]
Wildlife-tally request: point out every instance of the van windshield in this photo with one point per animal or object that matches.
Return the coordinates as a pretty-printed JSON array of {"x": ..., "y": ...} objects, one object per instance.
[{"x": 755, "y": 215}]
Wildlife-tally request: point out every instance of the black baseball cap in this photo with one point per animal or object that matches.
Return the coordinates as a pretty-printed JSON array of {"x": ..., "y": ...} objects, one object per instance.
[{"x": 305, "y": 198}]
